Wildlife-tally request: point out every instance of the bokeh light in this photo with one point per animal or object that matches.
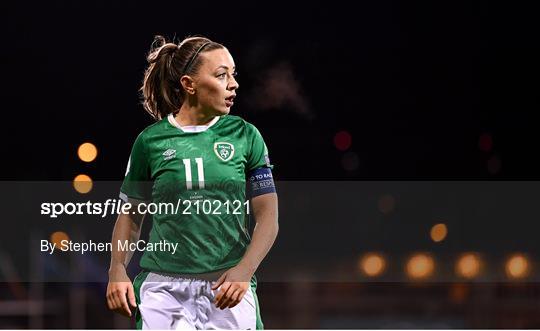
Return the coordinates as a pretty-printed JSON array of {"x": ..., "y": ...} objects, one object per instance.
[
  {"x": 82, "y": 184},
  {"x": 517, "y": 266},
  {"x": 57, "y": 238},
  {"x": 485, "y": 142},
  {"x": 420, "y": 266},
  {"x": 468, "y": 265},
  {"x": 439, "y": 232},
  {"x": 342, "y": 140},
  {"x": 87, "y": 152},
  {"x": 372, "y": 264}
]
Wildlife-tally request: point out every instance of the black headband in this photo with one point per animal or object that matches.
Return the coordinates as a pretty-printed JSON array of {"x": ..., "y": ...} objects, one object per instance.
[{"x": 188, "y": 65}]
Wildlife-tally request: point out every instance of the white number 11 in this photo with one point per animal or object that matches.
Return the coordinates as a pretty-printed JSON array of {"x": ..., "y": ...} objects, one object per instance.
[{"x": 200, "y": 172}]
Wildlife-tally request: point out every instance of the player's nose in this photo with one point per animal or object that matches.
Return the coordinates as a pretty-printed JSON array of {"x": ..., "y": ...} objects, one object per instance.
[{"x": 233, "y": 84}]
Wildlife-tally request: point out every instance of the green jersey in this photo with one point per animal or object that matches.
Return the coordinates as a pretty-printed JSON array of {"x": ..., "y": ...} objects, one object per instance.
[{"x": 196, "y": 182}]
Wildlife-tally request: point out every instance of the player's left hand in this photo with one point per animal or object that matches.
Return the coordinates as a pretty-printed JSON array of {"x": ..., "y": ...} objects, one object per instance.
[{"x": 234, "y": 284}]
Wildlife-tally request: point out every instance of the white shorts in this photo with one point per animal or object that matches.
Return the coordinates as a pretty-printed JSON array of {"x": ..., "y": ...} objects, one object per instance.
[{"x": 173, "y": 302}]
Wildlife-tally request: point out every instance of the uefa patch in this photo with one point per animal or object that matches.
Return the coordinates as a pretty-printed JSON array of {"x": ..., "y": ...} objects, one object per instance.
[{"x": 224, "y": 151}]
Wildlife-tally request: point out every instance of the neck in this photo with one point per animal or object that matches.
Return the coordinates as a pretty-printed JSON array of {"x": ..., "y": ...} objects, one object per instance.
[{"x": 190, "y": 115}]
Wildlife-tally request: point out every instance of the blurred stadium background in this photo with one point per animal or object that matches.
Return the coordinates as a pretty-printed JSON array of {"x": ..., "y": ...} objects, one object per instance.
[{"x": 385, "y": 90}]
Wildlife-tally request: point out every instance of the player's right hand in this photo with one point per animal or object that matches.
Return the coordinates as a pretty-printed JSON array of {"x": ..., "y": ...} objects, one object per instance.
[{"x": 120, "y": 293}]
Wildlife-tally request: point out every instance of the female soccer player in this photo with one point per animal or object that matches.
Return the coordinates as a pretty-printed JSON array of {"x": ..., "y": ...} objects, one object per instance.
[{"x": 197, "y": 157}]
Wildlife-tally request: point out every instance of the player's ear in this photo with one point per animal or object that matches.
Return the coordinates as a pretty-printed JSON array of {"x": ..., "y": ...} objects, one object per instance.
[{"x": 188, "y": 84}]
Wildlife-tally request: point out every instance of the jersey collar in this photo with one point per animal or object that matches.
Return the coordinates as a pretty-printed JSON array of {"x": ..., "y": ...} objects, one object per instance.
[{"x": 191, "y": 128}]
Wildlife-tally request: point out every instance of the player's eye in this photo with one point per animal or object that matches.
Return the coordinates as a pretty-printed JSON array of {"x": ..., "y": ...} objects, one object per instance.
[
  {"x": 234, "y": 74},
  {"x": 222, "y": 75}
]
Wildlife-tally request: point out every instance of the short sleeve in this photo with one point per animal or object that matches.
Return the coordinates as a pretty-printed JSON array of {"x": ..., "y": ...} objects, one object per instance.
[
  {"x": 258, "y": 152},
  {"x": 137, "y": 187}
]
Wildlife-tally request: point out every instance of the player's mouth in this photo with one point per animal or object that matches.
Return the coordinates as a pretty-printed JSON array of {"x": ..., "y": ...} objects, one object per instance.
[{"x": 229, "y": 101}]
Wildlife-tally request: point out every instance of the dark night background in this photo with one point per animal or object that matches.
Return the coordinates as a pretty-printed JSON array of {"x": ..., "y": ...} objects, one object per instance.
[
  {"x": 415, "y": 84},
  {"x": 427, "y": 90}
]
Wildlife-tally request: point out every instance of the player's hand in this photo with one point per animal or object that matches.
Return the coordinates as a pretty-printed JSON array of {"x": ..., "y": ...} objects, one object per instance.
[
  {"x": 234, "y": 284},
  {"x": 120, "y": 293}
]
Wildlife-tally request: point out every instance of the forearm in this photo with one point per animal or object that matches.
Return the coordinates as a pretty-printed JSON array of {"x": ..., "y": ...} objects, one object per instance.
[
  {"x": 120, "y": 292},
  {"x": 265, "y": 209},
  {"x": 127, "y": 227}
]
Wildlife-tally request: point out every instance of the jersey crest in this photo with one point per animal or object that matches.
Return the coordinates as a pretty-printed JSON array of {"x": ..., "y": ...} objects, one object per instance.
[{"x": 224, "y": 150}]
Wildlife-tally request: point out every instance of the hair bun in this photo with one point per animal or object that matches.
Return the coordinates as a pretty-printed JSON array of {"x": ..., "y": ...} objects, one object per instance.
[
  {"x": 160, "y": 47},
  {"x": 158, "y": 42}
]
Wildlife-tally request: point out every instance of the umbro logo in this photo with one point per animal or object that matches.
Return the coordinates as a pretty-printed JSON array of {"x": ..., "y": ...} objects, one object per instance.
[{"x": 169, "y": 154}]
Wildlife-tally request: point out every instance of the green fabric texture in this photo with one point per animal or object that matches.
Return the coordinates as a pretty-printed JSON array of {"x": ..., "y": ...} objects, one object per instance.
[{"x": 206, "y": 172}]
